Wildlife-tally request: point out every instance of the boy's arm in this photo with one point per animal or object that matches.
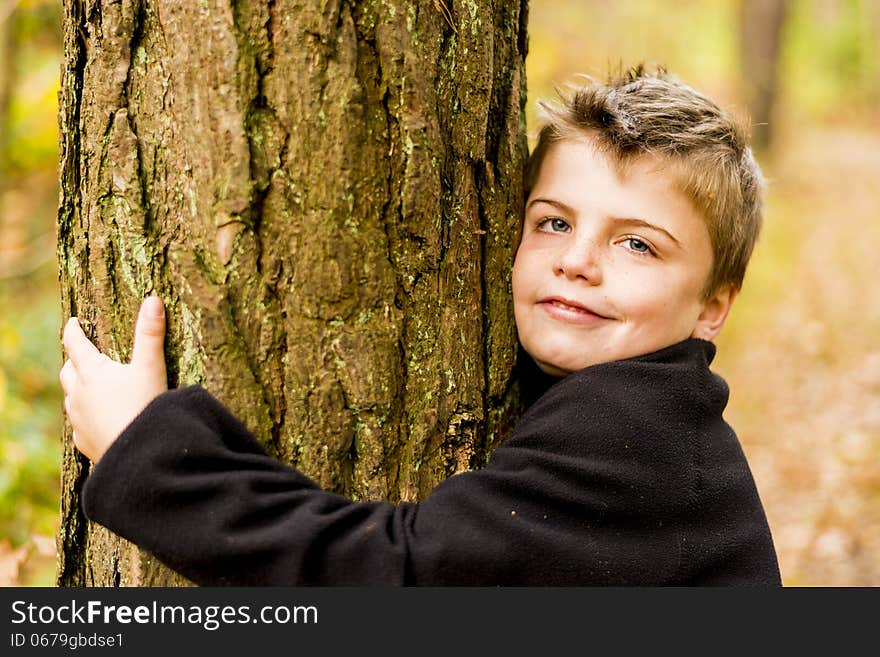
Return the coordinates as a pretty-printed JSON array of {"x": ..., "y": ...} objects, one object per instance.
[{"x": 188, "y": 482}]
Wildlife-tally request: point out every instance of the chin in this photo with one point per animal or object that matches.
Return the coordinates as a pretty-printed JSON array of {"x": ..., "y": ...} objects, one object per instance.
[
  {"x": 550, "y": 364},
  {"x": 552, "y": 370}
]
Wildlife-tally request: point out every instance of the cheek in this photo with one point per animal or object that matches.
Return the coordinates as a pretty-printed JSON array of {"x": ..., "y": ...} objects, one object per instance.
[
  {"x": 518, "y": 277},
  {"x": 642, "y": 308},
  {"x": 647, "y": 299},
  {"x": 655, "y": 309}
]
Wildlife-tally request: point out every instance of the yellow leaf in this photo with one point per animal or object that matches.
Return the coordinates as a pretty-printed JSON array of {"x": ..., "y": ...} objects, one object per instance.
[
  {"x": 3, "y": 391},
  {"x": 10, "y": 341}
]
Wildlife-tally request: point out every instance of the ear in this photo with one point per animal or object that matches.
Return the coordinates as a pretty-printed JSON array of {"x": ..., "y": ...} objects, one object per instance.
[{"x": 714, "y": 313}]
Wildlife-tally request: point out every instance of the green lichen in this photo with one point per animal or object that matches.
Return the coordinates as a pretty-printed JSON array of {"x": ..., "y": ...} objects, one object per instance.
[
  {"x": 134, "y": 263},
  {"x": 411, "y": 22},
  {"x": 350, "y": 221},
  {"x": 473, "y": 9},
  {"x": 70, "y": 265},
  {"x": 191, "y": 362},
  {"x": 193, "y": 207},
  {"x": 140, "y": 57}
]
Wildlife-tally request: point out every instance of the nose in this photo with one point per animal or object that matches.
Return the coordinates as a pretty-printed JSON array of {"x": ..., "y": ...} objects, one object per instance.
[{"x": 580, "y": 259}]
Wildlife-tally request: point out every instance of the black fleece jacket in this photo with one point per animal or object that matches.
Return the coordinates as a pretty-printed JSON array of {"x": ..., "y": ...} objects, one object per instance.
[{"x": 623, "y": 473}]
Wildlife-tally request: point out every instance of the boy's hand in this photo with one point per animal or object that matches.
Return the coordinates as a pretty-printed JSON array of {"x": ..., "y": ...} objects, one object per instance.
[{"x": 102, "y": 396}]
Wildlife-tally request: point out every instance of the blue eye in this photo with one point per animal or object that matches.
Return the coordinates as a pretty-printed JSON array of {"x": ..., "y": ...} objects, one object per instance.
[
  {"x": 638, "y": 245},
  {"x": 555, "y": 225}
]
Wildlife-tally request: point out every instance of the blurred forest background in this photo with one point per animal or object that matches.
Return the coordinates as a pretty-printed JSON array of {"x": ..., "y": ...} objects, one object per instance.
[{"x": 800, "y": 351}]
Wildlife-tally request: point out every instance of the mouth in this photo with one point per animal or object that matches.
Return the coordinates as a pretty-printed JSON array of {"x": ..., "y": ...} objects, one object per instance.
[{"x": 570, "y": 311}]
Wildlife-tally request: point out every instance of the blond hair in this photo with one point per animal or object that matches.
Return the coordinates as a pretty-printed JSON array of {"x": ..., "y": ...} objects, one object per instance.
[{"x": 638, "y": 113}]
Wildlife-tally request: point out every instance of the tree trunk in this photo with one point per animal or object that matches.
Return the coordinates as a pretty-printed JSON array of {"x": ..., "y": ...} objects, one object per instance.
[
  {"x": 760, "y": 46},
  {"x": 7, "y": 82},
  {"x": 327, "y": 197}
]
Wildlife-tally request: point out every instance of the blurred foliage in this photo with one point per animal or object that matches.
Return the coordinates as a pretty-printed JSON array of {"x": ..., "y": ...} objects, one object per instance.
[
  {"x": 31, "y": 135},
  {"x": 30, "y": 407},
  {"x": 799, "y": 350},
  {"x": 567, "y": 38},
  {"x": 33, "y": 131},
  {"x": 30, "y": 354},
  {"x": 832, "y": 59}
]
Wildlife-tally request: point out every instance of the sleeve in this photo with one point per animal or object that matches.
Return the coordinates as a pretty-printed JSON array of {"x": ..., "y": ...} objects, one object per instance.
[{"x": 187, "y": 482}]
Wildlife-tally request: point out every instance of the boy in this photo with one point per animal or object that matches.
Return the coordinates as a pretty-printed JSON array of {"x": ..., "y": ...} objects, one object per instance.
[{"x": 643, "y": 205}]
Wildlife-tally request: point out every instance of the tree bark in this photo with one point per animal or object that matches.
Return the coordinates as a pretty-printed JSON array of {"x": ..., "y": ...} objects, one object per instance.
[
  {"x": 327, "y": 197},
  {"x": 7, "y": 81},
  {"x": 760, "y": 45}
]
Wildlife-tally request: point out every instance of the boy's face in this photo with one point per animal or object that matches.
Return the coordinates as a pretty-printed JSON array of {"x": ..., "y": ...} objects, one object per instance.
[{"x": 610, "y": 265}]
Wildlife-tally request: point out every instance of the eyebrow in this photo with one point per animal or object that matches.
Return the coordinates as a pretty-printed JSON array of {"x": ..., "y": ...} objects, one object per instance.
[
  {"x": 549, "y": 201},
  {"x": 632, "y": 221}
]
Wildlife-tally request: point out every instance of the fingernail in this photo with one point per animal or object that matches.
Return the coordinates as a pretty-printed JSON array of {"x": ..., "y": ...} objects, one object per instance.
[{"x": 153, "y": 306}]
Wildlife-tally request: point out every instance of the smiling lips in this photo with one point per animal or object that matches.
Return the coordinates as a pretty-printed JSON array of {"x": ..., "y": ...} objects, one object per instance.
[{"x": 570, "y": 311}]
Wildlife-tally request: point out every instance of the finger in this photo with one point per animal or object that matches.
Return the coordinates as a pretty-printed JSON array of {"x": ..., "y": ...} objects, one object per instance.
[
  {"x": 149, "y": 334},
  {"x": 80, "y": 349},
  {"x": 67, "y": 376}
]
